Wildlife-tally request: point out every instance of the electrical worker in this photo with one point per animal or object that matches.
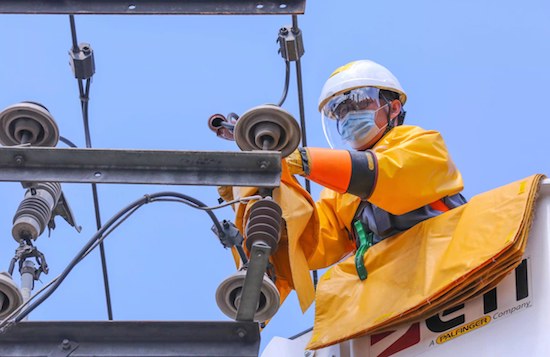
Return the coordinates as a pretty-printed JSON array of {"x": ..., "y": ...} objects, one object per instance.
[{"x": 380, "y": 177}]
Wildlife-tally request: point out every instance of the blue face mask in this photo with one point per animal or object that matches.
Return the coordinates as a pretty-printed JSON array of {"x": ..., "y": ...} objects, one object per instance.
[{"x": 358, "y": 128}]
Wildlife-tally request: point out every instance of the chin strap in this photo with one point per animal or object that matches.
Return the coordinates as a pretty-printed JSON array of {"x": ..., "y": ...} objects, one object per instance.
[
  {"x": 391, "y": 123},
  {"x": 400, "y": 118}
]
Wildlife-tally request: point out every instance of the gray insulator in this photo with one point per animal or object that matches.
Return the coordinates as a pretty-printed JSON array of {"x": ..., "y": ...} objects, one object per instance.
[
  {"x": 267, "y": 127},
  {"x": 35, "y": 210},
  {"x": 10, "y": 296},
  {"x": 228, "y": 297},
  {"x": 264, "y": 224},
  {"x": 28, "y": 123}
]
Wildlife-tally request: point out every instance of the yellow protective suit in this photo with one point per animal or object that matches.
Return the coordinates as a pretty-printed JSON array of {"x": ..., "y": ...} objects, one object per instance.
[
  {"x": 414, "y": 169},
  {"x": 437, "y": 264}
]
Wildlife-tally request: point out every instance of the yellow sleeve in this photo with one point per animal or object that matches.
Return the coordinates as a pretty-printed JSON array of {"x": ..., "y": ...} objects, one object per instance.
[
  {"x": 335, "y": 213},
  {"x": 413, "y": 170}
]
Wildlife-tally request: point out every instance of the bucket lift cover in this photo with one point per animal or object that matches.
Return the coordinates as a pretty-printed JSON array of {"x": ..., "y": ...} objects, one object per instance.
[{"x": 436, "y": 264}]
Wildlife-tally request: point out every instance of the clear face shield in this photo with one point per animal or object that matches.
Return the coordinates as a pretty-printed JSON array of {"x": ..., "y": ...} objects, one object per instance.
[{"x": 349, "y": 119}]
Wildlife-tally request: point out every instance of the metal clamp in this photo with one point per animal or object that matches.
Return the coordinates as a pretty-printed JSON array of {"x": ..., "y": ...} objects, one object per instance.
[
  {"x": 27, "y": 250},
  {"x": 291, "y": 43},
  {"x": 82, "y": 61}
]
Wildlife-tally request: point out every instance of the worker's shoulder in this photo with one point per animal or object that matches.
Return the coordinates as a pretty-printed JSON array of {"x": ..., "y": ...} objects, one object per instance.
[
  {"x": 405, "y": 135},
  {"x": 412, "y": 131}
]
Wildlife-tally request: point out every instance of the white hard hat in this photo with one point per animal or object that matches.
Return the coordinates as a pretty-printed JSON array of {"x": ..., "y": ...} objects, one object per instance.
[{"x": 363, "y": 73}]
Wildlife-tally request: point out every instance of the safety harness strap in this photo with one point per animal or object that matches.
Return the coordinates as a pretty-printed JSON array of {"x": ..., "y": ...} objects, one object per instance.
[
  {"x": 365, "y": 242},
  {"x": 439, "y": 205}
]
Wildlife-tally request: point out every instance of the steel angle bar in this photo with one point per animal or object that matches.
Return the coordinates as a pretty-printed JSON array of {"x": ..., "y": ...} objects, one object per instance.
[
  {"x": 201, "y": 168},
  {"x": 154, "y": 7},
  {"x": 131, "y": 338}
]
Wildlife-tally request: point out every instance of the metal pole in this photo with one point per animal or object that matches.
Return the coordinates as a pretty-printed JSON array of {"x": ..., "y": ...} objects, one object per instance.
[{"x": 27, "y": 281}]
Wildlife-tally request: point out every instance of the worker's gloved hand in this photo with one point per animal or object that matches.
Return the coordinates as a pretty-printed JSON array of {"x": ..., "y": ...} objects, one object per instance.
[{"x": 295, "y": 162}]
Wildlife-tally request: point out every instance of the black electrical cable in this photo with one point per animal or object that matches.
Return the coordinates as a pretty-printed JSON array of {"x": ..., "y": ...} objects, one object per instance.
[
  {"x": 67, "y": 142},
  {"x": 219, "y": 228},
  {"x": 180, "y": 198},
  {"x": 287, "y": 81},
  {"x": 300, "y": 93},
  {"x": 73, "y": 145},
  {"x": 76, "y": 259},
  {"x": 103, "y": 256},
  {"x": 104, "y": 231},
  {"x": 104, "y": 236},
  {"x": 84, "y": 99},
  {"x": 302, "y": 116},
  {"x": 199, "y": 204},
  {"x": 73, "y": 33}
]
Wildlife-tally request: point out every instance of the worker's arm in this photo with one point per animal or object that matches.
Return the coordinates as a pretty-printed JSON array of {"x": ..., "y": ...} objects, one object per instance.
[
  {"x": 334, "y": 240},
  {"x": 340, "y": 170},
  {"x": 408, "y": 168}
]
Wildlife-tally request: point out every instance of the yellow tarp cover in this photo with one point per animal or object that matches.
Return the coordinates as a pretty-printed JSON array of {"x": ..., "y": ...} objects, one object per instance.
[{"x": 434, "y": 265}]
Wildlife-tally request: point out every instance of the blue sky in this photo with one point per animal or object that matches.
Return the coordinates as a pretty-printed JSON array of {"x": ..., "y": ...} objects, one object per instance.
[{"x": 474, "y": 70}]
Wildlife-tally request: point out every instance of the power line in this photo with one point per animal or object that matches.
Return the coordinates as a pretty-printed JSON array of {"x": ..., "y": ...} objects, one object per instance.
[
  {"x": 103, "y": 232},
  {"x": 84, "y": 99}
]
